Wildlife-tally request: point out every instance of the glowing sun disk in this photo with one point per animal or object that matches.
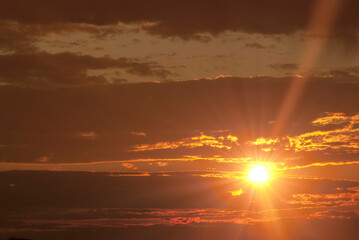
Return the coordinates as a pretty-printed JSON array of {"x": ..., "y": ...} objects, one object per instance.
[{"x": 258, "y": 174}]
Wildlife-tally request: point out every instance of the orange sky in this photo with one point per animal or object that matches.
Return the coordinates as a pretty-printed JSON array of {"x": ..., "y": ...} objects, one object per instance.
[{"x": 140, "y": 119}]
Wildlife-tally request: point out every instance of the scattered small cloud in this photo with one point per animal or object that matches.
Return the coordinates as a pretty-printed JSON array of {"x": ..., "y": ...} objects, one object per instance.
[
  {"x": 43, "y": 159},
  {"x": 284, "y": 66},
  {"x": 258, "y": 46},
  {"x": 129, "y": 166},
  {"x": 88, "y": 135},
  {"x": 162, "y": 164},
  {"x": 139, "y": 134},
  {"x": 237, "y": 192}
]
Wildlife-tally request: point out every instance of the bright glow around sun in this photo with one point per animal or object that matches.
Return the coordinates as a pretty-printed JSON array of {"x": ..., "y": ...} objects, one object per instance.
[{"x": 258, "y": 174}]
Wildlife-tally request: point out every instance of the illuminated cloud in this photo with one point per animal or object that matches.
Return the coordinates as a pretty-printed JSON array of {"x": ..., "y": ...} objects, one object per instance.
[
  {"x": 332, "y": 214},
  {"x": 192, "y": 142},
  {"x": 139, "y": 119},
  {"x": 337, "y": 199},
  {"x": 343, "y": 138},
  {"x": 237, "y": 192},
  {"x": 264, "y": 141},
  {"x": 129, "y": 165},
  {"x": 162, "y": 164},
  {"x": 335, "y": 118}
]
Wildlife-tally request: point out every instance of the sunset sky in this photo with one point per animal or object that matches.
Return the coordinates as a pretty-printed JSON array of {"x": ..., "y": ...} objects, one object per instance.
[{"x": 187, "y": 119}]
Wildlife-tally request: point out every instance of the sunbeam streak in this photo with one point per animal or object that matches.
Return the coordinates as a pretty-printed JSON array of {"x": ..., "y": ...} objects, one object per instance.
[{"x": 321, "y": 23}]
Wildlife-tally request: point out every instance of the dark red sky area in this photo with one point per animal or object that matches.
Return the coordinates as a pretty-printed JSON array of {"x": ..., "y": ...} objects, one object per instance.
[{"x": 143, "y": 119}]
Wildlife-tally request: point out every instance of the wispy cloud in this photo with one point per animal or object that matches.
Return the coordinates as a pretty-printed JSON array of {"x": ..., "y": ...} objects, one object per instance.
[
  {"x": 225, "y": 142},
  {"x": 343, "y": 138}
]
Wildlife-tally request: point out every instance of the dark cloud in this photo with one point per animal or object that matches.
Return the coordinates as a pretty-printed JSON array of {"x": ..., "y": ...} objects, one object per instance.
[
  {"x": 184, "y": 18},
  {"x": 44, "y": 69},
  {"x": 348, "y": 73},
  {"x": 14, "y": 37},
  {"x": 45, "y": 124},
  {"x": 258, "y": 46},
  {"x": 284, "y": 66},
  {"x": 51, "y": 189},
  {"x": 22, "y": 37},
  {"x": 296, "y": 229},
  {"x": 68, "y": 190},
  {"x": 178, "y": 151},
  {"x": 44, "y": 205}
]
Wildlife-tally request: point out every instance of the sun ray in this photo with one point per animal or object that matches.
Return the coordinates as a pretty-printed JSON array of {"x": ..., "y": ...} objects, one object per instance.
[{"x": 321, "y": 22}]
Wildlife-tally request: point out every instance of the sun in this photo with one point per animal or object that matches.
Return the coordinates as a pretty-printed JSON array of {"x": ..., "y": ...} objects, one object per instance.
[{"x": 258, "y": 174}]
